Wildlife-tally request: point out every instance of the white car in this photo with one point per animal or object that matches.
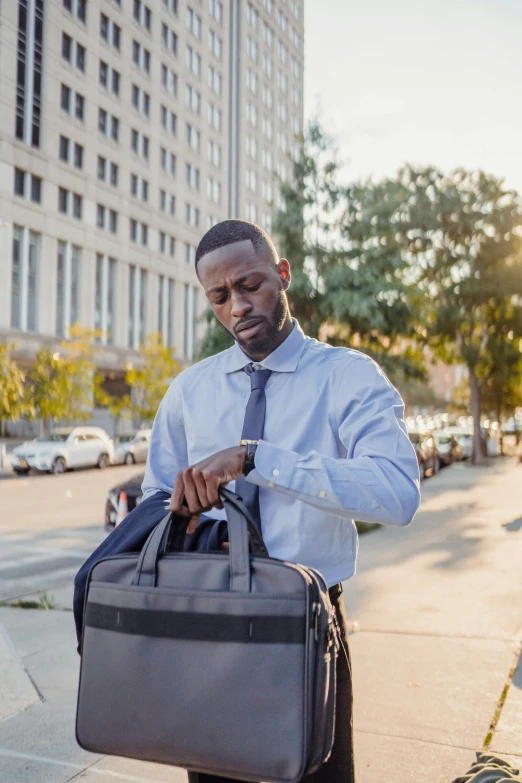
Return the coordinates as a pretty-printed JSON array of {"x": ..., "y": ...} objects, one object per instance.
[
  {"x": 73, "y": 447},
  {"x": 132, "y": 448}
]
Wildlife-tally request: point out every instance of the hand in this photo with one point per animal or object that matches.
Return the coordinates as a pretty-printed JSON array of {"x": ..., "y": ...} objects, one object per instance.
[{"x": 196, "y": 487}]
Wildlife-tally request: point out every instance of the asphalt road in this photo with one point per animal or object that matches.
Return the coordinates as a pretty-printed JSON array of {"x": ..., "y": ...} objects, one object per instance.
[{"x": 49, "y": 525}]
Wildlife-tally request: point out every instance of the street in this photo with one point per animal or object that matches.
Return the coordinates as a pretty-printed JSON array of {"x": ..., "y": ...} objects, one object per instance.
[
  {"x": 439, "y": 606},
  {"x": 49, "y": 525}
]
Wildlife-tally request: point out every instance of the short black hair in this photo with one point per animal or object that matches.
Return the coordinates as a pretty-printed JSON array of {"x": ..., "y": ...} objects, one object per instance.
[{"x": 229, "y": 231}]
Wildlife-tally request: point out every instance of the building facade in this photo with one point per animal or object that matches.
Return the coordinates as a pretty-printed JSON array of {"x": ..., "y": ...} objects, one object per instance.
[{"x": 128, "y": 128}]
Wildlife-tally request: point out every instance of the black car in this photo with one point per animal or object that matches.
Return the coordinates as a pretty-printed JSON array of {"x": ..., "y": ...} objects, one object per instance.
[
  {"x": 132, "y": 489},
  {"x": 427, "y": 453}
]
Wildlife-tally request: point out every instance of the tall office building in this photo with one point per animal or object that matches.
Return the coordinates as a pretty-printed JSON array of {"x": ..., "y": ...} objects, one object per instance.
[{"x": 127, "y": 129}]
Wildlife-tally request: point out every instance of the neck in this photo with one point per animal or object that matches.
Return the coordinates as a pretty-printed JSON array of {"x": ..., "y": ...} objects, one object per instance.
[{"x": 281, "y": 337}]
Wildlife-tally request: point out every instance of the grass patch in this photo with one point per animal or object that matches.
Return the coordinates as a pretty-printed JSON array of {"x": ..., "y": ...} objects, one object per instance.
[
  {"x": 366, "y": 527},
  {"x": 498, "y": 710},
  {"x": 43, "y": 602}
]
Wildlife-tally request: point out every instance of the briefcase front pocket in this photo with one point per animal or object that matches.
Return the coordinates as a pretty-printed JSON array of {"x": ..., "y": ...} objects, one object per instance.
[{"x": 201, "y": 680}]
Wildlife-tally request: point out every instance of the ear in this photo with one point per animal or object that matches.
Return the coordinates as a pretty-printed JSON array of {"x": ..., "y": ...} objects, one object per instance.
[{"x": 284, "y": 273}]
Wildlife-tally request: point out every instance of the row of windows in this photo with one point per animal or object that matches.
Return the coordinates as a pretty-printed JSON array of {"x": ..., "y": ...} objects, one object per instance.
[
  {"x": 142, "y": 13},
  {"x": 282, "y": 21},
  {"x": 25, "y": 294}
]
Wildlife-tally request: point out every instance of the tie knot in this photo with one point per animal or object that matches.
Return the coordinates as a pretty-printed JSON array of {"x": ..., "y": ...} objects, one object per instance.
[{"x": 258, "y": 378}]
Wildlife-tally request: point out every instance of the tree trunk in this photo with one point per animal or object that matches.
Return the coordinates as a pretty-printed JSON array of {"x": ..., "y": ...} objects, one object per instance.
[
  {"x": 478, "y": 457},
  {"x": 3, "y": 427}
]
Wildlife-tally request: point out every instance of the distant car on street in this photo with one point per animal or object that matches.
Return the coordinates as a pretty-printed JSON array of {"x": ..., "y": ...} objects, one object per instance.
[
  {"x": 427, "y": 453},
  {"x": 65, "y": 448},
  {"x": 448, "y": 447},
  {"x": 132, "y": 448},
  {"x": 132, "y": 490},
  {"x": 465, "y": 440}
]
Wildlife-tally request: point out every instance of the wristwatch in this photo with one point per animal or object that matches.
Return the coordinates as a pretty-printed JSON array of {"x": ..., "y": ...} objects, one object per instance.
[{"x": 251, "y": 446}]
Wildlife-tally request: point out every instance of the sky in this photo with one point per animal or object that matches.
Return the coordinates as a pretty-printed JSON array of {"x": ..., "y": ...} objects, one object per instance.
[{"x": 421, "y": 81}]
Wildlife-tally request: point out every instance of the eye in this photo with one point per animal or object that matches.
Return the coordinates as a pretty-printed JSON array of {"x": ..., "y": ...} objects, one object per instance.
[
  {"x": 252, "y": 287},
  {"x": 220, "y": 301}
]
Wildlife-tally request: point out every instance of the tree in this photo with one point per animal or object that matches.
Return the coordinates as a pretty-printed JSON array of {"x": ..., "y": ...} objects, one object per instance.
[
  {"x": 48, "y": 388},
  {"x": 12, "y": 397},
  {"x": 77, "y": 355},
  {"x": 151, "y": 378}
]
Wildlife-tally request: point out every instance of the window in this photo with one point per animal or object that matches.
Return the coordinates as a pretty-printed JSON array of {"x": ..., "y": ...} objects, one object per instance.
[
  {"x": 190, "y": 318},
  {"x": 267, "y": 66},
  {"x": 73, "y": 52},
  {"x": 68, "y": 277},
  {"x": 268, "y": 35},
  {"x": 25, "y": 279},
  {"x": 140, "y": 100},
  {"x": 267, "y": 192},
  {"x": 107, "y": 171},
  {"x": 251, "y": 212},
  {"x": 168, "y": 120},
  {"x": 77, "y": 8},
  {"x": 282, "y": 82},
  {"x": 192, "y": 176},
  {"x": 72, "y": 102},
  {"x": 296, "y": 39},
  {"x": 171, "y": 5},
  {"x": 108, "y": 124},
  {"x": 192, "y": 215},
  {"x": 193, "y": 61},
  {"x": 215, "y": 82},
  {"x": 166, "y": 244},
  {"x": 296, "y": 9},
  {"x": 169, "y": 38},
  {"x": 139, "y": 232},
  {"x": 166, "y": 289},
  {"x": 110, "y": 31},
  {"x": 295, "y": 96},
  {"x": 193, "y": 22},
  {"x": 214, "y": 153},
  {"x": 296, "y": 69},
  {"x": 167, "y": 202},
  {"x": 105, "y": 299},
  {"x": 281, "y": 171},
  {"x": 137, "y": 306},
  {"x": 193, "y": 138},
  {"x": 282, "y": 112},
  {"x": 215, "y": 44},
  {"x": 266, "y": 159},
  {"x": 29, "y": 72},
  {"x": 168, "y": 161},
  {"x": 252, "y": 16},
  {"x": 251, "y": 114},
  {"x": 266, "y": 222},
  {"x": 282, "y": 142},
  {"x": 252, "y": 48},
  {"x": 141, "y": 57},
  {"x": 169, "y": 80},
  {"x": 70, "y": 203},
  {"x": 251, "y": 180},
  {"x": 269, "y": 6},
  {"x": 215, "y": 9},
  {"x": 142, "y": 14},
  {"x": 106, "y": 219},
  {"x": 268, "y": 97},
  {"x": 140, "y": 144},
  {"x": 214, "y": 116},
  {"x": 193, "y": 99},
  {"x": 251, "y": 81},
  {"x": 251, "y": 147},
  {"x": 213, "y": 190},
  {"x": 139, "y": 187},
  {"x": 267, "y": 128},
  {"x": 109, "y": 78},
  {"x": 190, "y": 254},
  {"x": 27, "y": 186},
  {"x": 282, "y": 21}
]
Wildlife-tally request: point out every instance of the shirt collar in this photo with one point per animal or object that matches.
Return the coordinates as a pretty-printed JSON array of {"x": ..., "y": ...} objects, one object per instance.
[{"x": 285, "y": 358}]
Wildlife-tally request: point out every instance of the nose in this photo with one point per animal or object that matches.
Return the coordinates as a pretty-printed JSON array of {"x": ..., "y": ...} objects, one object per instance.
[{"x": 240, "y": 305}]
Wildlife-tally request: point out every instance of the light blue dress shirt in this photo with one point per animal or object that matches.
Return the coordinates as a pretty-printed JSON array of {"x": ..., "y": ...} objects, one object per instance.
[{"x": 334, "y": 449}]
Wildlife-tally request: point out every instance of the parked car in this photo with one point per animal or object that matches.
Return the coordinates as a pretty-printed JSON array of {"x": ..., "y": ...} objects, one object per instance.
[
  {"x": 132, "y": 488},
  {"x": 132, "y": 448},
  {"x": 427, "y": 453},
  {"x": 448, "y": 447},
  {"x": 465, "y": 440},
  {"x": 56, "y": 452}
]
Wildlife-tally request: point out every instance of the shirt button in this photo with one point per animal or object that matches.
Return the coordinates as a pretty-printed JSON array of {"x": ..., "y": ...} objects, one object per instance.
[
  {"x": 271, "y": 484},
  {"x": 275, "y": 472},
  {"x": 322, "y": 494}
]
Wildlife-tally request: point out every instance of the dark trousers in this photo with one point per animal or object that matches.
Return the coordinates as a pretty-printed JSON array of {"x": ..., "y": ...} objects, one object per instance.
[{"x": 339, "y": 768}]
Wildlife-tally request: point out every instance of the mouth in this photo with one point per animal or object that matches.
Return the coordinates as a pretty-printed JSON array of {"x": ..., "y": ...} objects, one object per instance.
[{"x": 249, "y": 330}]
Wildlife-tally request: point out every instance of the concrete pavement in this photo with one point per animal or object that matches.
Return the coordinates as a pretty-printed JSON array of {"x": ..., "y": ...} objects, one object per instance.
[{"x": 440, "y": 610}]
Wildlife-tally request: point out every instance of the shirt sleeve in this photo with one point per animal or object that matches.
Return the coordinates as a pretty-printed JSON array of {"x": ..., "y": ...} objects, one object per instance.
[
  {"x": 168, "y": 444},
  {"x": 377, "y": 480}
]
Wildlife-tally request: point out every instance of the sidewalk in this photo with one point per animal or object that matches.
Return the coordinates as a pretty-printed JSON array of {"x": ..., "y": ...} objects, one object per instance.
[{"x": 440, "y": 610}]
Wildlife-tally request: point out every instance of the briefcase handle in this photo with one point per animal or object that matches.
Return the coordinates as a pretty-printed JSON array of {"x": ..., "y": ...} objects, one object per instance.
[{"x": 240, "y": 524}]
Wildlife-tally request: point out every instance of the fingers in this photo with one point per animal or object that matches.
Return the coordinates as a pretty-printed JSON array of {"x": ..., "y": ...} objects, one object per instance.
[
  {"x": 192, "y": 525},
  {"x": 201, "y": 489},
  {"x": 177, "y": 502}
]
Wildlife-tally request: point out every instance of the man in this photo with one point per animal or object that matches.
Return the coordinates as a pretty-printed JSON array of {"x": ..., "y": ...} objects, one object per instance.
[{"x": 325, "y": 438}]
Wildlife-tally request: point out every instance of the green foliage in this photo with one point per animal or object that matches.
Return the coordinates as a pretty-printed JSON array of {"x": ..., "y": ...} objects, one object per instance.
[
  {"x": 150, "y": 379},
  {"x": 12, "y": 397},
  {"x": 215, "y": 339},
  {"x": 76, "y": 356},
  {"x": 48, "y": 388}
]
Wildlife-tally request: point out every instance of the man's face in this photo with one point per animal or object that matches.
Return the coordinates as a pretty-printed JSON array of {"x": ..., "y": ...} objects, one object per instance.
[{"x": 247, "y": 294}]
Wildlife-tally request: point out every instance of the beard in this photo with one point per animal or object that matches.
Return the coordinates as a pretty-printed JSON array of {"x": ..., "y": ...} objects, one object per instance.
[{"x": 268, "y": 339}]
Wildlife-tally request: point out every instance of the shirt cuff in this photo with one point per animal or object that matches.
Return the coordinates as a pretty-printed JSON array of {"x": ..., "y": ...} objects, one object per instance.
[{"x": 274, "y": 466}]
